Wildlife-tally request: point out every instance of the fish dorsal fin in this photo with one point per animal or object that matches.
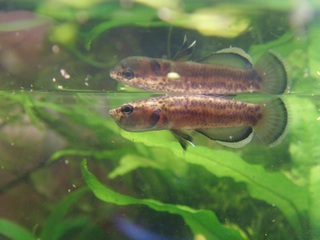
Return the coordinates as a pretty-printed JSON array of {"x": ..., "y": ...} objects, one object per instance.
[
  {"x": 182, "y": 138},
  {"x": 185, "y": 51},
  {"x": 235, "y": 137},
  {"x": 229, "y": 57}
]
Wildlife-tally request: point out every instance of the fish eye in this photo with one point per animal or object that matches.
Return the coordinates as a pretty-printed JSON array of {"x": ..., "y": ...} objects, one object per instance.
[
  {"x": 127, "y": 110},
  {"x": 128, "y": 74}
]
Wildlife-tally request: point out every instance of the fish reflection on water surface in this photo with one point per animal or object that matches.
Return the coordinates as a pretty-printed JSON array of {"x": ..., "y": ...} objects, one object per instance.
[
  {"x": 232, "y": 123},
  {"x": 224, "y": 72}
]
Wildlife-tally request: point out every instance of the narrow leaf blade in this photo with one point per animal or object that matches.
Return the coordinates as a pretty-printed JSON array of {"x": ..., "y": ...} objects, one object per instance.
[
  {"x": 14, "y": 231},
  {"x": 201, "y": 222}
]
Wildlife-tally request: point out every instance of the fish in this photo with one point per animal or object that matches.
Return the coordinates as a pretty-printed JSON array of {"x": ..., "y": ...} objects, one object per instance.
[
  {"x": 228, "y": 71},
  {"x": 229, "y": 122}
]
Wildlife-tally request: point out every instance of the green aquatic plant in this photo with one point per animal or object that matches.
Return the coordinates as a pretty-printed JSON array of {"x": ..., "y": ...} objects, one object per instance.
[
  {"x": 293, "y": 192},
  {"x": 275, "y": 188},
  {"x": 202, "y": 222},
  {"x": 14, "y": 231}
]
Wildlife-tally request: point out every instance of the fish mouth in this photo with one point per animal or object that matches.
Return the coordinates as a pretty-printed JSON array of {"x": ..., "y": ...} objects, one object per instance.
[
  {"x": 113, "y": 113},
  {"x": 112, "y": 73}
]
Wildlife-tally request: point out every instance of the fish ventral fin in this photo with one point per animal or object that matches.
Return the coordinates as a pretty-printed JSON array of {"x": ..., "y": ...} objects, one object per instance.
[
  {"x": 185, "y": 51},
  {"x": 235, "y": 137},
  {"x": 182, "y": 138},
  {"x": 274, "y": 73},
  {"x": 272, "y": 128},
  {"x": 230, "y": 57}
]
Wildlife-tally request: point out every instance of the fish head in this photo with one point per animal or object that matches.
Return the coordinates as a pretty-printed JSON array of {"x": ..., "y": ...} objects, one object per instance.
[
  {"x": 136, "y": 116},
  {"x": 125, "y": 70},
  {"x": 141, "y": 72}
]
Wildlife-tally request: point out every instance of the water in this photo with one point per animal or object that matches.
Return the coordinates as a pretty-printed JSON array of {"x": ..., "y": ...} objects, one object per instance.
[{"x": 68, "y": 172}]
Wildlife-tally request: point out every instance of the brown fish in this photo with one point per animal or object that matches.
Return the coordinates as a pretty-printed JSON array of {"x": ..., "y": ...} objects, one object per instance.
[
  {"x": 227, "y": 71},
  {"x": 230, "y": 122}
]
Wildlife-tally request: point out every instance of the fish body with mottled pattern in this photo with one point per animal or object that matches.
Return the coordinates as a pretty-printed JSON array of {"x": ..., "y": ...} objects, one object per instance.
[
  {"x": 228, "y": 71},
  {"x": 233, "y": 123}
]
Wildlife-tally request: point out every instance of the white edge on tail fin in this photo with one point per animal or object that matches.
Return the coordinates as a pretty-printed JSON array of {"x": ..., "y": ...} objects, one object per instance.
[{"x": 239, "y": 144}]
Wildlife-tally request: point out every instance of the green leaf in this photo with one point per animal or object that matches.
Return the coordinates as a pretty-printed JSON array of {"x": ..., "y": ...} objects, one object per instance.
[
  {"x": 305, "y": 154},
  {"x": 274, "y": 188},
  {"x": 75, "y": 225},
  {"x": 283, "y": 45},
  {"x": 314, "y": 210},
  {"x": 157, "y": 158},
  {"x": 14, "y": 231},
  {"x": 313, "y": 50},
  {"x": 50, "y": 230},
  {"x": 201, "y": 222},
  {"x": 131, "y": 162}
]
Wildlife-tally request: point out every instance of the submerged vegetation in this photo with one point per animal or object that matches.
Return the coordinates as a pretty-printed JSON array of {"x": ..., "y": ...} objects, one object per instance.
[{"x": 82, "y": 177}]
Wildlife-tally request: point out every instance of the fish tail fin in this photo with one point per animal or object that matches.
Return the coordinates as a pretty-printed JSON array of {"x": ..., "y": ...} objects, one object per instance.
[
  {"x": 272, "y": 128},
  {"x": 274, "y": 74}
]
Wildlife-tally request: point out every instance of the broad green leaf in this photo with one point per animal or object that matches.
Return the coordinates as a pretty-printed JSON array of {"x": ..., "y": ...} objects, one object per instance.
[
  {"x": 50, "y": 230},
  {"x": 14, "y": 231},
  {"x": 201, "y": 222},
  {"x": 274, "y": 188}
]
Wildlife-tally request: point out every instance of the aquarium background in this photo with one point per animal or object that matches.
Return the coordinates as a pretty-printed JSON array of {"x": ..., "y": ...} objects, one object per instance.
[{"x": 68, "y": 172}]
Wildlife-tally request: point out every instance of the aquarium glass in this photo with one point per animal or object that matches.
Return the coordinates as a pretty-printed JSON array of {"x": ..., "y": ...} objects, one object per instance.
[{"x": 68, "y": 171}]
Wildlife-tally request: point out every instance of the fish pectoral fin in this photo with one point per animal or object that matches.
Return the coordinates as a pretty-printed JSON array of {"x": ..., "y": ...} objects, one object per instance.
[
  {"x": 235, "y": 137},
  {"x": 182, "y": 138},
  {"x": 185, "y": 51},
  {"x": 229, "y": 57}
]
